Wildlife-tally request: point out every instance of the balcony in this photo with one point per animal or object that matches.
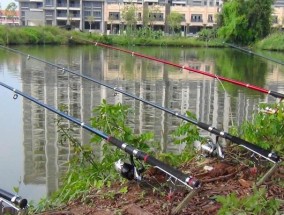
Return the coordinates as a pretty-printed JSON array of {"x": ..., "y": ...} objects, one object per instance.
[
  {"x": 62, "y": 5},
  {"x": 179, "y": 3},
  {"x": 74, "y": 5},
  {"x": 153, "y": 1},
  {"x": 196, "y": 20}
]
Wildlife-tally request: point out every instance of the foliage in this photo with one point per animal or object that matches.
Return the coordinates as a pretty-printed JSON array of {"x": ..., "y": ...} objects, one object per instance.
[
  {"x": 128, "y": 14},
  {"x": 148, "y": 33},
  {"x": 88, "y": 172},
  {"x": 10, "y": 11},
  {"x": 254, "y": 204},
  {"x": 245, "y": 22},
  {"x": 207, "y": 34},
  {"x": 266, "y": 129},
  {"x": 90, "y": 20},
  {"x": 187, "y": 132},
  {"x": 153, "y": 10},
  {"x": 33, "y": 35},
  {"x": 274, "y": 42},
  {"x": 174, "y": 19}
]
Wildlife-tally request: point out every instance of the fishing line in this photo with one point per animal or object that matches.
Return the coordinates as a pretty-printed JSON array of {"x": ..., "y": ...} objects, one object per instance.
[
  {"x": 239, "y": 83},
  {"x": 271, "y": 156},
  {"x": 230, "y": 109}
]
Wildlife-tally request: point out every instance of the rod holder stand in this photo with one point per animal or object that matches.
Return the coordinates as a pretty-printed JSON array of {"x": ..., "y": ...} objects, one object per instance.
[
  {"x": 7, "y": 207},
  {"x": 185, "y": 201},
  {"x": 267, "y": 174}
]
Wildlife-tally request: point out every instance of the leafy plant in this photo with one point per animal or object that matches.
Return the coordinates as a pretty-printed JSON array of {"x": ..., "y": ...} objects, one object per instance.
[
  {"x": 87, "y": 171},
  {"x": 255, "y": 204},
  {"x": 266, "y": 128},
  {"x": 187, "y": 132}
]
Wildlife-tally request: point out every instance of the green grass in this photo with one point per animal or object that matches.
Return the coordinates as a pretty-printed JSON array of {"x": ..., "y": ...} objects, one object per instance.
[{"x": 274, "y": 42}]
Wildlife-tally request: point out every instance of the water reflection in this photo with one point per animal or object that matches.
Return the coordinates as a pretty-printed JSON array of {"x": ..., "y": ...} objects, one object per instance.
[{"x": 220, "y": 105}]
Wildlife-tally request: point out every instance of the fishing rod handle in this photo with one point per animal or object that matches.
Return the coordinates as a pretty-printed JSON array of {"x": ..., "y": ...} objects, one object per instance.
[
  {"x": 271, "y": 156},
  {"x": 185, "y": 179},
  {"x": 17, "y": 200},
  {"x": 276, "y": 94}
]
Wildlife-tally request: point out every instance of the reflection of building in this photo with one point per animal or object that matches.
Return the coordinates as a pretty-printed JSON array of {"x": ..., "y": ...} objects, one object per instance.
[{"x": 177, "y": 90}]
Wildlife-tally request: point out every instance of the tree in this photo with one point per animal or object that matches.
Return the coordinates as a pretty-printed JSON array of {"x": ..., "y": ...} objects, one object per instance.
[
  {"x": 90, "y": 20},
  {"x": 128, "y": 14},
  {"x": 10, "y": 11},
  {"x": 245, "y": 21},
  {"x": 174, "y": 20},
  {"x": 149, "y": 15}
]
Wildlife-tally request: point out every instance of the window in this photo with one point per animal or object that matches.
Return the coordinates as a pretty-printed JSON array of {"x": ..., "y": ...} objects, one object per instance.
[
  {"x": 210, "y": 18},
  {"x": 114, "y": 15},
  {"x": 97, "y": 14},
  {"x": 49, "y": 3},
  {"x": 87, "y": 13},
  {"x": 196, "y": 18},
  {"x": 274, "y": 19}
]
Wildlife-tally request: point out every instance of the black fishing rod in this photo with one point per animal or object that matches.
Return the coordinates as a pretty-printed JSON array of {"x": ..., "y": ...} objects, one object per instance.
[
  {"x": 124, "y": 168},
  {"x": 248, "y": 51},
  {"x": 271, "y": 156}
]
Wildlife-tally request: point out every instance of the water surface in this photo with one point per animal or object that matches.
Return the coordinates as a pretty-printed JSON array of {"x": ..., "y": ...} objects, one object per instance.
[{"x": 30, "y": 153}]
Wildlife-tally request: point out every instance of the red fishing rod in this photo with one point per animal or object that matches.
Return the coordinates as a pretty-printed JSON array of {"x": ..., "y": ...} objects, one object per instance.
[{"x": 239, "y": 83}]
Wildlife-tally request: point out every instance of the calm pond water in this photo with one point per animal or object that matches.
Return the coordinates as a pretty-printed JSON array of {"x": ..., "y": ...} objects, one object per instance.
[{"x": 30, "y": 155}]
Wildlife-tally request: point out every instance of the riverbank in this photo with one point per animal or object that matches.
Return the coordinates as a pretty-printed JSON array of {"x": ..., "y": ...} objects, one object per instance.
[
  {"x": 58, "y": 36},
  {"x": 49, "y": 35}
]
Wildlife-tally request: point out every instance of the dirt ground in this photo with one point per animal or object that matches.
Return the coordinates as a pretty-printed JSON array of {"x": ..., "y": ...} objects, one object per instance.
[{"x": 224, "y": 178}]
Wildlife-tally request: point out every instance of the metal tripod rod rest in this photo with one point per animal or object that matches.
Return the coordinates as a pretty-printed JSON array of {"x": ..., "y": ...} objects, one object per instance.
[
  {"x": 270, "y": 156},
  {"x": 173, "y": 173}
]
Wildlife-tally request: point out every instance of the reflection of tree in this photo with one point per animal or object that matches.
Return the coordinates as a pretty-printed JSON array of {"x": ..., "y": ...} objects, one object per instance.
[{"x": 238, "y": 66}]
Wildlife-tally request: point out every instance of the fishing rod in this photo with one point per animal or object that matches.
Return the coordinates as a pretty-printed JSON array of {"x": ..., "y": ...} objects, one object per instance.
[
  {"x": 253, "y": 53},
  {"x": 239, "y": 83},
  {"x": 212, "y": 148},
  {"x": 12, "y": 204},
  {"x": 128, "y": 171}
]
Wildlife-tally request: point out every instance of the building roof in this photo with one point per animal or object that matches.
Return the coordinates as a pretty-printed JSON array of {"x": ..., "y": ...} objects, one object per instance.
[{"x": 3, "y": 13}]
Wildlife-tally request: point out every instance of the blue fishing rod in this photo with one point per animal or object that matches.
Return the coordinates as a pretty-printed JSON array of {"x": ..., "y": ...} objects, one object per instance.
[
  {"x": 128, "y": 171},
  {"x": 212, "y": 148}
]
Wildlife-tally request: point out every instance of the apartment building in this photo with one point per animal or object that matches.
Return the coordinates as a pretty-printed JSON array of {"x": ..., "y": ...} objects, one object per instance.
[
  {"x": 278, "y": 14},
  {"x": 105, "y": 16}
]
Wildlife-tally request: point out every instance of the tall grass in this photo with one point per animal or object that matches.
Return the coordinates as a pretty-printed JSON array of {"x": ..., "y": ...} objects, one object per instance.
[
  {"x": 274, "y": 42},
  {"x": 58, "y": 36}
]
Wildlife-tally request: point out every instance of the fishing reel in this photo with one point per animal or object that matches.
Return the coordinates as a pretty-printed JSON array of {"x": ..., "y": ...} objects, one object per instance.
[
  {"x": 209, "y": 148},
  {"x": 11, "y": 204},
  {"x": 129, "y": 170}
]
